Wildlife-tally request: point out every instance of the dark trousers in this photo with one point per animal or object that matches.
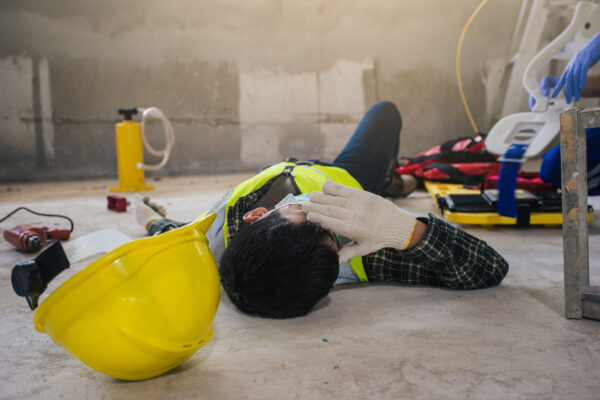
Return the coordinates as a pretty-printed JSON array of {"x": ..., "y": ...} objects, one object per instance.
[{"x": 372, "y": 151}]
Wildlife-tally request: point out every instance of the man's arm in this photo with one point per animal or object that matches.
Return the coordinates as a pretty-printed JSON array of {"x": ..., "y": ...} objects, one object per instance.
[
  {"x": 418, "y": 234},
  {"x": 397, "y": 247},
  {"x": 446, "y": 256}
]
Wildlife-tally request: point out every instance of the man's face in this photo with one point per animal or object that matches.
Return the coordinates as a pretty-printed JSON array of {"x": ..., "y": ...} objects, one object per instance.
[{"x": 291, "y": 212}]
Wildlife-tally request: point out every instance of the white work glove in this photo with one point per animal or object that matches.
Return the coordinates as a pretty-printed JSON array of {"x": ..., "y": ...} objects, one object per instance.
[
  {"x": 145, "y": 213},
  {"x": 371, "y": 221}
]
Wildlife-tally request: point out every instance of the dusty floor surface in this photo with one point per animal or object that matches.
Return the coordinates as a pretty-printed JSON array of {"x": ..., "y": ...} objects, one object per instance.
[{"x": 383, "y": 341}]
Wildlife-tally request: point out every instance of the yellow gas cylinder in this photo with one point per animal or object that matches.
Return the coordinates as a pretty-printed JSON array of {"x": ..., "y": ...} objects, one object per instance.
[{"x": 129, "y": 154}]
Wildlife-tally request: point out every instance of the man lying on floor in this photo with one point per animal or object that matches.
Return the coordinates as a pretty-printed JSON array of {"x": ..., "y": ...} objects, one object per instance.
[{"x": 275, "y": 262}]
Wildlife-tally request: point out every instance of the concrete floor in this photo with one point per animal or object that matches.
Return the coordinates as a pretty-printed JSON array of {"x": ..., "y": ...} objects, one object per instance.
[{"x": 383, "y": 341}]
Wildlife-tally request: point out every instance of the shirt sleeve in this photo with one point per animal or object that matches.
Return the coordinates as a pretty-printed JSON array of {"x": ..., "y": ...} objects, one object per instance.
[{"x": 447, "y": 257}]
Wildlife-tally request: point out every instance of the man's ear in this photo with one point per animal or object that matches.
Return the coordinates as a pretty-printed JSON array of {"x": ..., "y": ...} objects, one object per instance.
[{"x": 255, "y": 214}]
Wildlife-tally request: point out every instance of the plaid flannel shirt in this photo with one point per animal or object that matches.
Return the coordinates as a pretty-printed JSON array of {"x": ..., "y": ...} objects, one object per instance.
[{"x": 446, "y": 257}]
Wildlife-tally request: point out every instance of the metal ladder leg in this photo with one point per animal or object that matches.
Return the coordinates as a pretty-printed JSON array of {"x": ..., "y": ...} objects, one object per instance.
[{"x": 581, "y": 299}]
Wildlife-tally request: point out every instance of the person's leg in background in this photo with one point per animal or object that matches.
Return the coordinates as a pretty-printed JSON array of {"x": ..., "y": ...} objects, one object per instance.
[{"x": 371, "y": 154}]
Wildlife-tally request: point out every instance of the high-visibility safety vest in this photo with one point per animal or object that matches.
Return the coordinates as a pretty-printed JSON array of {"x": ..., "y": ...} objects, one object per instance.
[{"x": 306, "y": 178}]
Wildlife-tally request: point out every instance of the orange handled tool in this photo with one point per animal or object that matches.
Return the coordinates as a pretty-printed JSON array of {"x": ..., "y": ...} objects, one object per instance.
[{"x": 29, "y": 238}]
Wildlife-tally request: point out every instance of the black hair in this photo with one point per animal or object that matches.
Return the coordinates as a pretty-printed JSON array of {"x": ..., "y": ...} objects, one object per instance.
[{"x": 278, "y": 269}]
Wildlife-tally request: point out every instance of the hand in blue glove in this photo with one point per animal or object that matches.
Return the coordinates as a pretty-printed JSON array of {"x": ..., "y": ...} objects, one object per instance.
[
  {"x": 573, "y": 79},
  {"x": 547, "y": 83}
]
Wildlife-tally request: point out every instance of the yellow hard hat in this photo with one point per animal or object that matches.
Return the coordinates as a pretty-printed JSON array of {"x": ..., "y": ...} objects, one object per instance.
[{"x": 140, "y": 310}]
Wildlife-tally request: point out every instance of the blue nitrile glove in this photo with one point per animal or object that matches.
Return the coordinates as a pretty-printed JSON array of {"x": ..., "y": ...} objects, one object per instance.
[
  {"x": 547, "y": 83},
  {"x": 573, "y": 79}
]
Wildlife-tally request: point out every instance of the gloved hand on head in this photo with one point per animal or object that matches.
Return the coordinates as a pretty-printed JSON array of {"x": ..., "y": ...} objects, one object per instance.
[
  {"x": 575, "y": 74},
  {"x": 370, "y": 221},
  {"x": 547, "y": 83}
]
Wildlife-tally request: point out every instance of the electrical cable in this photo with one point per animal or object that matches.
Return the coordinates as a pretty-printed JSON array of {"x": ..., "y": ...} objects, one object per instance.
[
  {"x": 39, "y": 213},
  {"x": 458, "y": 53}
]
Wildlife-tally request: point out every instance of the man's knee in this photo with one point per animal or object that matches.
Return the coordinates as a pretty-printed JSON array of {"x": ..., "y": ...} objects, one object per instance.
[{"x": 389, "y": 110}]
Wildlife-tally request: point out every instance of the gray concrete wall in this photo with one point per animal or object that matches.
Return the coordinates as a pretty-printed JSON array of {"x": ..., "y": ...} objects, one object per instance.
[{"x": 244, "y": 82}]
